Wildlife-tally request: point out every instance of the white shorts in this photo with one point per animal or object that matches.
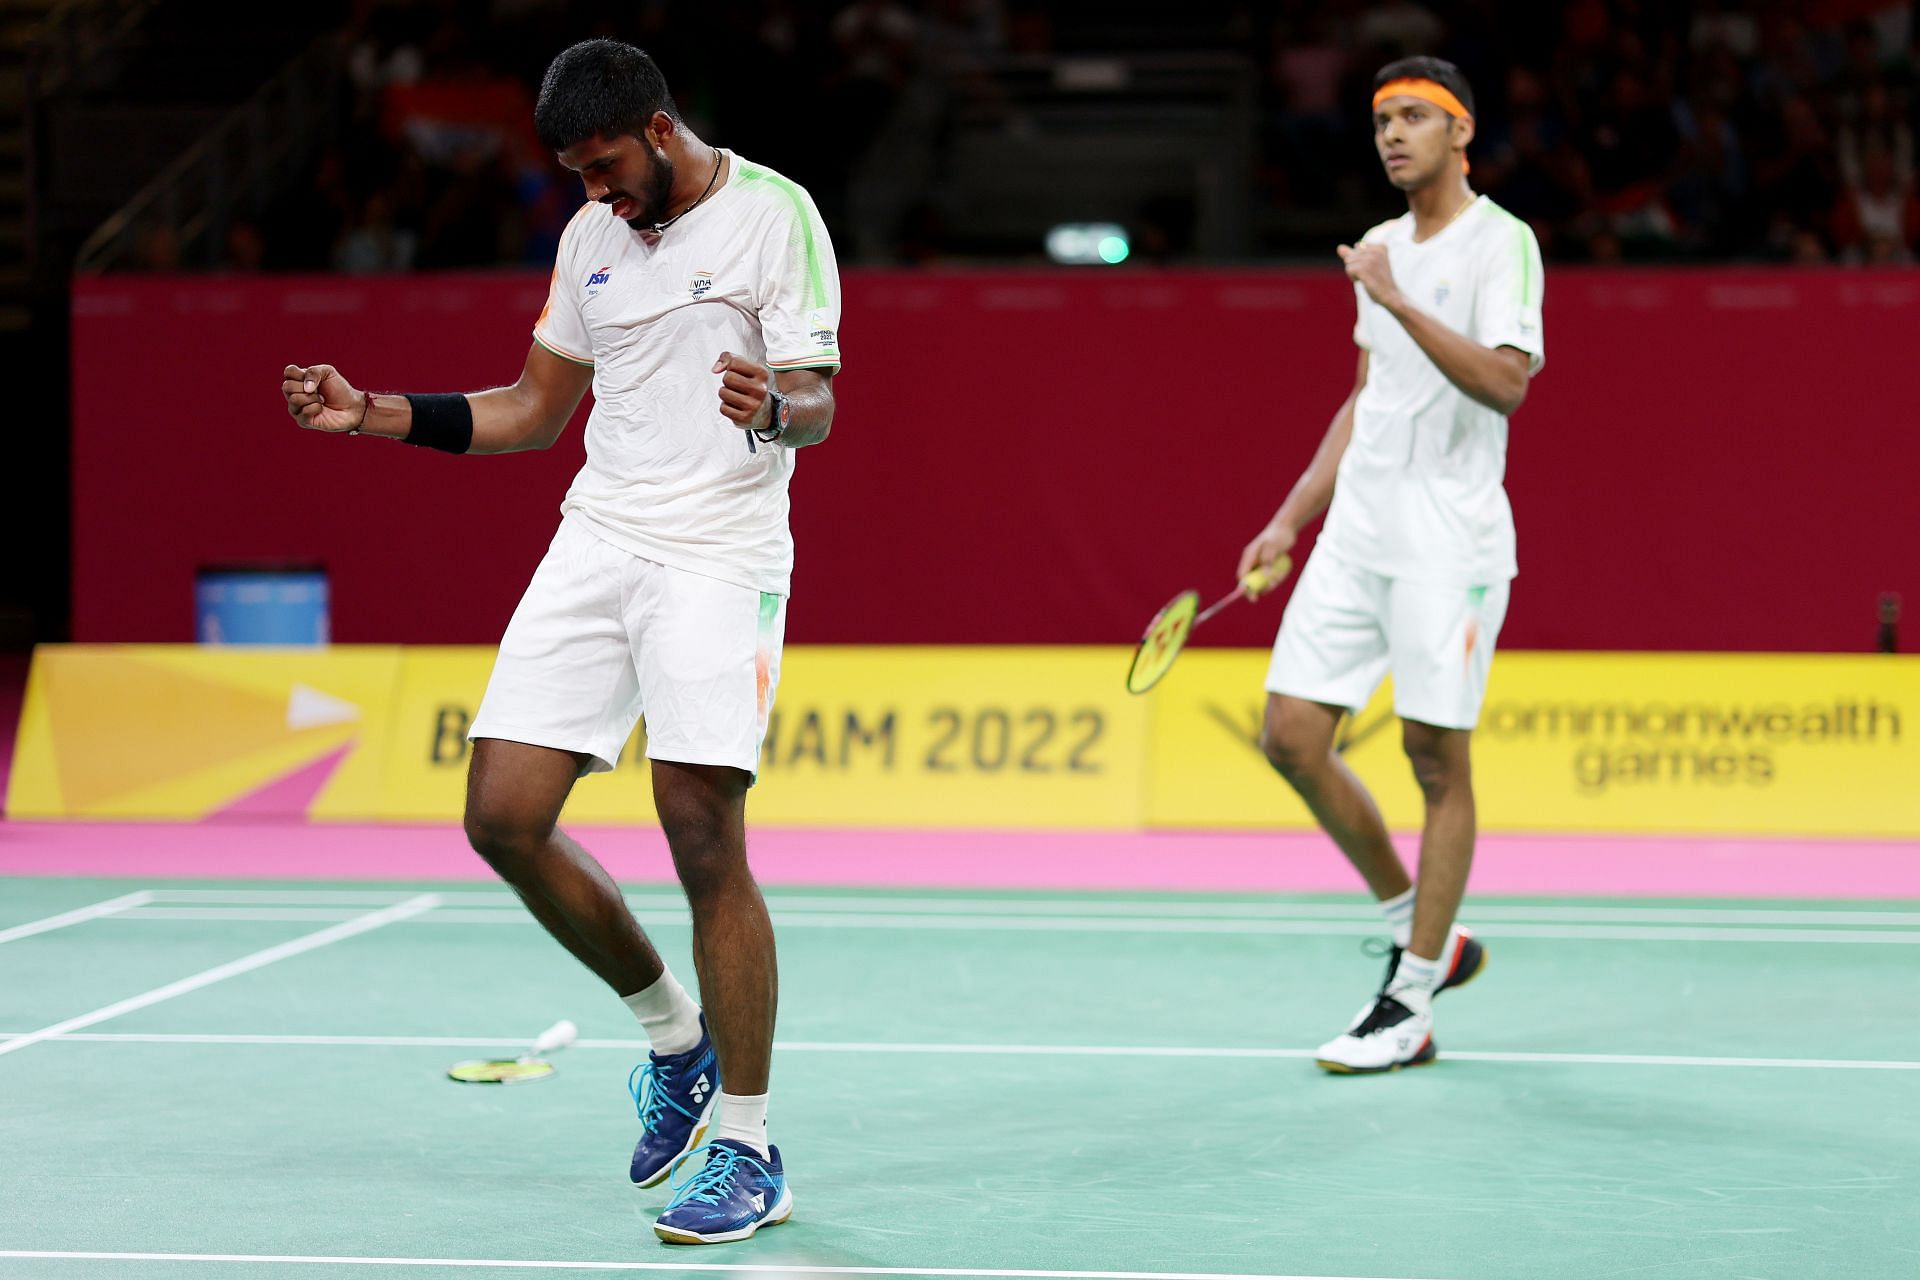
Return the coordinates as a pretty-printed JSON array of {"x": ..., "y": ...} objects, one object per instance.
[
  {"x": 602, "y": 636},
  {"x": 1345, "y": 628}
]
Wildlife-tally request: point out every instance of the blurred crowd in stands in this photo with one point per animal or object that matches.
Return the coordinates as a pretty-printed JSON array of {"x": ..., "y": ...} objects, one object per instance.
[{"x": 1623, "y": 130}]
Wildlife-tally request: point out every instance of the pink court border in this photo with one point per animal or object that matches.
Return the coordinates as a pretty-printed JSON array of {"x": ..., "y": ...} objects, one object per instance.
[{"x": 1215, "y": 862}]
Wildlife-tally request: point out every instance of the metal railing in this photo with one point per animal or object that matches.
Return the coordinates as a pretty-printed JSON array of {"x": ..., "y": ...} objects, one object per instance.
[{"x": 247, "y": 156}]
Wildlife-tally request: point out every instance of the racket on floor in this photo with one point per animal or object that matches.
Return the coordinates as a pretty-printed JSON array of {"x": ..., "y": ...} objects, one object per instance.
[
  {"x": 1167, "y": 633},
  {"x": 530, "y": 1065}
]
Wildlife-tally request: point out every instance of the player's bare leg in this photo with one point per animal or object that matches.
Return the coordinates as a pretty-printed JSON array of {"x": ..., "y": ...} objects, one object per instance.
[
  {"x": 514, "y": 796},
  {"x": 703, "y": 811},
  {"x": 1444, "y": 769},
  {"x": 1394, "y": 1029},
  {"x": 1297, "y": 737}
]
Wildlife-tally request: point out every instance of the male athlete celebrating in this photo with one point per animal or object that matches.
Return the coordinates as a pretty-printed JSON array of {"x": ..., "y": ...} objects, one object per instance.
[
  {"x": 1412, "y": 569},
  {"x": 697, "y": 294}
]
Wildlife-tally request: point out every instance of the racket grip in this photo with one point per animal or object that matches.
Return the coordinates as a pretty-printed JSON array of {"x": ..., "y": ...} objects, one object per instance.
[
  {"x": 1263, "y": 578},
  {"x": 558, "y": 1036}
]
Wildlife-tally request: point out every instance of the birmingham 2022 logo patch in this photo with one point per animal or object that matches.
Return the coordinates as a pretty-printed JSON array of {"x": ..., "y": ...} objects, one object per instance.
[{"x": 820, "y": 328}]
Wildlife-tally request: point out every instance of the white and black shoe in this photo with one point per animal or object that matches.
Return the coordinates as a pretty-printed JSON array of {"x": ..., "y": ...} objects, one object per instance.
[
  {"x": 1391, "y": 1035},
  {"x": 1361, "y": 1050}
]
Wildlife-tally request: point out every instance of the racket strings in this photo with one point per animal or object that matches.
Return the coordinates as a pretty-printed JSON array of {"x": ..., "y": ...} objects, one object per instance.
[
  {"x": 1161, "y": 644},
  {"x": 1167, "y": 634}
]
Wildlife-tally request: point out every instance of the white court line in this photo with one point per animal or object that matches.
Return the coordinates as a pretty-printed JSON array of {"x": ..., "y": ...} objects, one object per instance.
[
  {"x": 295, "y": 897},
  {"x": 1360, "y": 928},
  {"x": 771, "y": 1270},
  {"x": 991, "y": 1050},
  {"x": 77, "y": 915},
  {"x": 245, "y": 964},
  {"x": 1069, "y": 906},
  {"x": 245, "y": 915}
]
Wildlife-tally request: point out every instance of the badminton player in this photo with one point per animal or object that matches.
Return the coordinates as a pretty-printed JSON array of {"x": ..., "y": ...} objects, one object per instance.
[
  {"x": 696, "y": 293},
  {"x": 1411, "y": 572}
]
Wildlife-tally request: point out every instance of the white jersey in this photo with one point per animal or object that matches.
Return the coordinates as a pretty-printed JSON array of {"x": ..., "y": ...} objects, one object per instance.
[
  {"x": 1419, "y": 492},
  {"x": 749, "y": 270}
]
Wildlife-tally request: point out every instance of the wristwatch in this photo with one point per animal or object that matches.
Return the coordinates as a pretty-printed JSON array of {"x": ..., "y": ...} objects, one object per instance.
[{"x": 778, "y": 421}]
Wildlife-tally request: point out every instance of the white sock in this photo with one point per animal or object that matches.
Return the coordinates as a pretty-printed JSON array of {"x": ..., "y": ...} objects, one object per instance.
[
  {"x": 743, "y": 1118},
  {"x": 1414, "y": 981},
  {"x": 668, "y": 1013},
  {"x": 1399, "y": 913}
]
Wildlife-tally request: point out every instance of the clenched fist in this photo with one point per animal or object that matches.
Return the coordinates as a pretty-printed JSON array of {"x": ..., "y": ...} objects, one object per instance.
[
  {"x": 321, "y": 400},
  {"x": 1370, "y": 267},
  {"x": 743, "y": 391}
]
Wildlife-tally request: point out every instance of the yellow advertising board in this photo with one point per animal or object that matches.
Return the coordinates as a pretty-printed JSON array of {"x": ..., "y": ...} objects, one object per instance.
[
  {"x": 1205, "y": 767},
  {"x": 907, "y": 737},
  {"x": 1810, "y": 744},
  {"x": 176, "y": 731},
  {"x": 995, "y": 738},
  {"x": 1743, "y": 742}
]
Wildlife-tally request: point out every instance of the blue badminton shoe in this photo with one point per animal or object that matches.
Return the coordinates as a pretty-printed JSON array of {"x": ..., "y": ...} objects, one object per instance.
[
  {"x": 674, "y": 1096},
  {"x": 731, "y": 1196}
]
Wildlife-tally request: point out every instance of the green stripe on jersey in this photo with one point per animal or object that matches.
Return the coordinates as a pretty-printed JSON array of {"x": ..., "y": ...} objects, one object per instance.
[
  {"x": 1524, "y": 238},
  {"x": 816, "y": 282},
  {"x": 1531, "y": 283}
]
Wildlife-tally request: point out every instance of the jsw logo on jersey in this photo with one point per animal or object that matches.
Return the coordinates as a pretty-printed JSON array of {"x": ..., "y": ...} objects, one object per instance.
[{"x": 599, "y": 277}]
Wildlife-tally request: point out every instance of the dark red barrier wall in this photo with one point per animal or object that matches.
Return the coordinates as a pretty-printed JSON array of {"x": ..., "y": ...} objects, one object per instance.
[{"x": 1711, "y": 460}]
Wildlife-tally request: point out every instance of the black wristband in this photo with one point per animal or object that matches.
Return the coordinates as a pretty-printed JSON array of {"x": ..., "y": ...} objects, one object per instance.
[{"x": 443, "y": 422}]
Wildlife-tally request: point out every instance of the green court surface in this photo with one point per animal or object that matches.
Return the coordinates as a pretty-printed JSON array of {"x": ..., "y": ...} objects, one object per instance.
[{"x": 967, "y": 1084}]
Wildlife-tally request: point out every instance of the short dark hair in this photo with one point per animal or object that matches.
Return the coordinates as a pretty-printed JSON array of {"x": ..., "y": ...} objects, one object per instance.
[
  {"x": 599, "y": 87},
  {"x": 1438, "y": 70}
]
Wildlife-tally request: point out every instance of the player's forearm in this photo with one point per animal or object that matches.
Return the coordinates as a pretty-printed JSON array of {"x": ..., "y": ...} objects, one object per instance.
[
  {"x": 812, "y": 416},
  {"x": 504, "y": 420},
  {"x": 1480, "y": 372},
  {"x": 509, "y": 420},
  {"x": 1313, "y": 491}
]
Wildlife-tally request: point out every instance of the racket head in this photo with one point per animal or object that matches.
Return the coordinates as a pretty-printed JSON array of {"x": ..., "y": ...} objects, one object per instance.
[
  {"x": 1166, "y": 635},
  {"x": 500, "y": 1070}
]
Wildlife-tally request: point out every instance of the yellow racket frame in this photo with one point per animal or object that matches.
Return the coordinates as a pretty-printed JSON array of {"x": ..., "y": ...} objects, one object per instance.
[
  {"x": 1167, "y": 634},
  {"x": 500, "y": 1070}
]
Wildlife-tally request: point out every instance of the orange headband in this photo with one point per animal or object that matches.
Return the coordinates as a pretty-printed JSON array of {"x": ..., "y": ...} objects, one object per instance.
[
  {"x": 1438, "y": 94},
  {"x": 1428, "y": 90}
]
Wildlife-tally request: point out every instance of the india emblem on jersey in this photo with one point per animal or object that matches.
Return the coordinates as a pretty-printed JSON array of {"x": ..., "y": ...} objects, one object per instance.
[{"x": 702, "y": 281}]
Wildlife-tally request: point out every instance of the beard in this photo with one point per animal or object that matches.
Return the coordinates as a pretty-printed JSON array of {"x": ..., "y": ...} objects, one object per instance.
[
  {"x": 1413, "y": 177},
  {"x": 650, "y": 201}
]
